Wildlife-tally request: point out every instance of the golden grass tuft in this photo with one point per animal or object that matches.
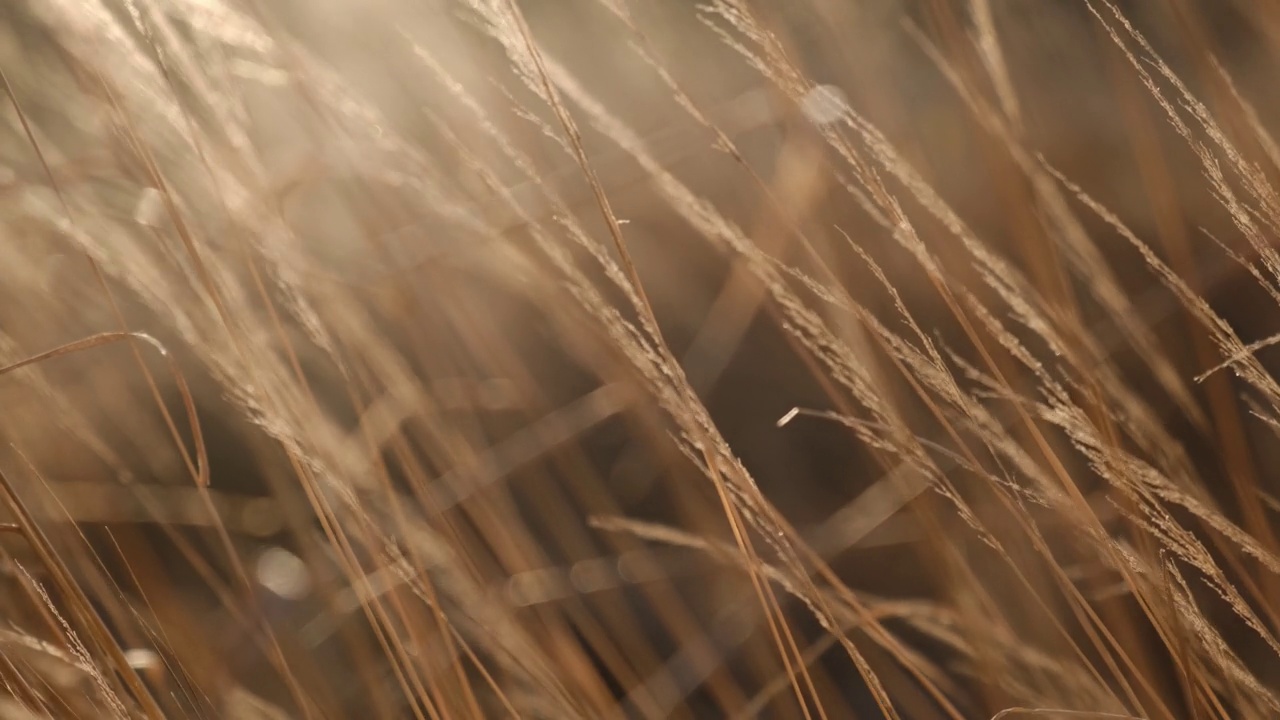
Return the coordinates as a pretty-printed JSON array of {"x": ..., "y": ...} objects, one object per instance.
[{"x": 613, "y": 359}]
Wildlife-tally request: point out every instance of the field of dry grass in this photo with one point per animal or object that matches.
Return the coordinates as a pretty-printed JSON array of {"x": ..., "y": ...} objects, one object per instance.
[{"x": 558, "y": 359}]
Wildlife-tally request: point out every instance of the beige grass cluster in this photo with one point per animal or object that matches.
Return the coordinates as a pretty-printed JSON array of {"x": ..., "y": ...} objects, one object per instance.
[{"x": 639, "y": 359}]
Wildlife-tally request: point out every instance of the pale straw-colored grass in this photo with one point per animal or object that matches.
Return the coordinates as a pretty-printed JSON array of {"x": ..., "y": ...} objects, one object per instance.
[{"x": 609, "y": 359}]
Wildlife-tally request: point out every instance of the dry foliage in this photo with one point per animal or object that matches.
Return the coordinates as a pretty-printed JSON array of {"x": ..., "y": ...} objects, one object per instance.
[{"x": 639, "y": 358}]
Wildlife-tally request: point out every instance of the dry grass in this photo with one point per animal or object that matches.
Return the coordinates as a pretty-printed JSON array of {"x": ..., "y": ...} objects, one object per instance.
[{"x": 611, "y": 359}]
